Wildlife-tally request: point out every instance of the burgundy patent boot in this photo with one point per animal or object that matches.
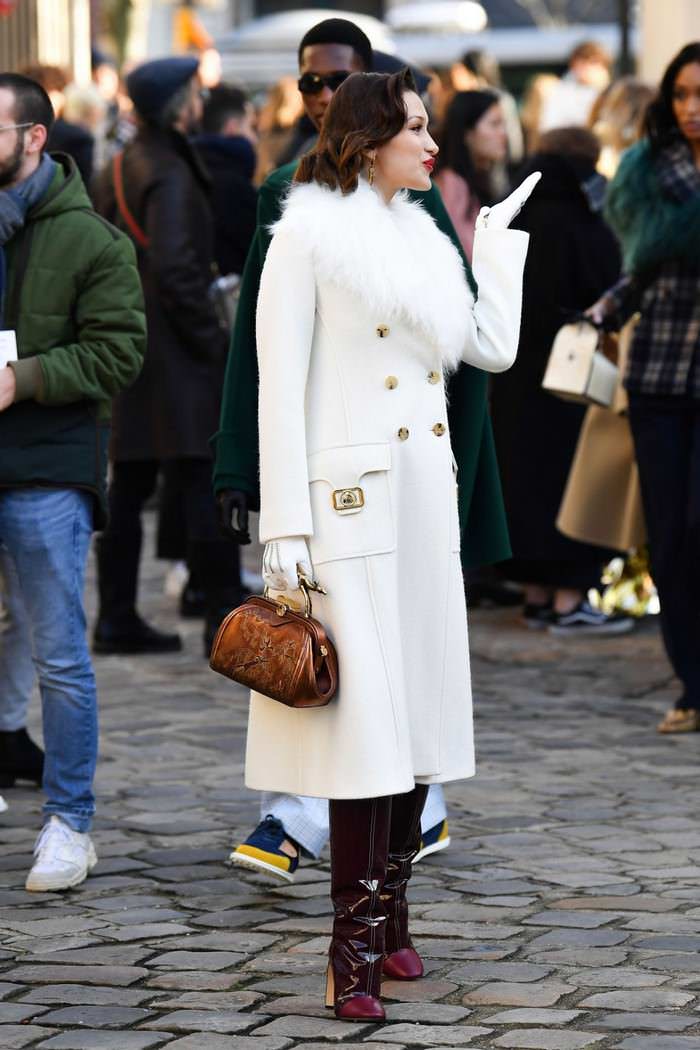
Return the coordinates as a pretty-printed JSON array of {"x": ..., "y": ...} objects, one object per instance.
[
  {"x": 402, "y": 962},
  {"x": 359, "y": 848}
]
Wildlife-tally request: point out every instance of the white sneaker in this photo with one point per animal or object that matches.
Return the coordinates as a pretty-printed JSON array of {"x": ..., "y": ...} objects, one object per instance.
[
  {"x": 63, "y": 858},
  {"x": 3, "y": 804}
]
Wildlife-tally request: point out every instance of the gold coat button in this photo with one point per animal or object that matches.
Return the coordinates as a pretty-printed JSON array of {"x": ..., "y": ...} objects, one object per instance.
[
  {"x": 433, "y": 377},
  {"x": 382, "y": 331},
  {"x": 391, "y": 382},
  {"x": 403, "y": 433},
  {"x": 439, "y": 429}
]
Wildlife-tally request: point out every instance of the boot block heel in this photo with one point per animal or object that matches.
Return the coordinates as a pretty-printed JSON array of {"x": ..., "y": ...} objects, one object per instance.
[
  {"x": 330, "y": 989},
  {"x": 403, "y": 965}
]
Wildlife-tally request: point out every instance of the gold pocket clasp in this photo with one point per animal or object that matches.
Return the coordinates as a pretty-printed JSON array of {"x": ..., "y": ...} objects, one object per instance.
[{"x": 345, "y": 501}]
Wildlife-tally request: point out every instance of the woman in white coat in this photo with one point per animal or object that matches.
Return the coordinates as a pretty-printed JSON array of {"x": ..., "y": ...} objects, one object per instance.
[{"x": 364, "y": 308}]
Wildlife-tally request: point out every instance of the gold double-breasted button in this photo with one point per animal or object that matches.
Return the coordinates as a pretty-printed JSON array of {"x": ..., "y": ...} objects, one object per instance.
[
  {"x": 382, "y": 331},
  {"x": 391, "y": 382},
  {"x": 433, "y": 377},
  {"x": 403, "y": 433},
  {"x": 439, "y": 429}
]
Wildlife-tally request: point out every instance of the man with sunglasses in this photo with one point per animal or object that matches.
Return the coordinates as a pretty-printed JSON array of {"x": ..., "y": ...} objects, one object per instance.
[{"x": 329, "y": 53}]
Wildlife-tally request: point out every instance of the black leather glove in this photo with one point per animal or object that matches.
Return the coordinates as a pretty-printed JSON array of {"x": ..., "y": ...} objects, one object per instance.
[{"x": 233, "y": 507}]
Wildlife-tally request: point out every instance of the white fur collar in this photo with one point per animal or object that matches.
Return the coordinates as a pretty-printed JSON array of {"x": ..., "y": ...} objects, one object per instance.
[{"x": 393, "y": 257}]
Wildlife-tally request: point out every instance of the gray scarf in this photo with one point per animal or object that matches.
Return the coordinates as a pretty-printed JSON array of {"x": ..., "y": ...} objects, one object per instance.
[
  {"x": 16, "y": 202},
  {"x": 14, "y": 205}
]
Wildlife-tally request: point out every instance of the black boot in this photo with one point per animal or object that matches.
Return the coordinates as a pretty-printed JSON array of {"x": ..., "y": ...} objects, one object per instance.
[
  {"x": 216, "y": 565},
  {"x": 359, "y": 848},
  {"x": 20, "y": 759},
  {"x": 119, "y": 627}
]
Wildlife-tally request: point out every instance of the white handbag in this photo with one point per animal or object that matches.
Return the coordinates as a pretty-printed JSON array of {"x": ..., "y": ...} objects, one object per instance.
[{"x": 577, "y": 369}]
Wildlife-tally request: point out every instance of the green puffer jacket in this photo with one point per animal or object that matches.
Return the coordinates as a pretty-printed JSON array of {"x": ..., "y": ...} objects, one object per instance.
[{"x": 74, "y": 298}]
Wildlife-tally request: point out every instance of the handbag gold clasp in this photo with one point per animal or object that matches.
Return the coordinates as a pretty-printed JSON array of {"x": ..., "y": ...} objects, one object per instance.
[{"x": 287, "y": 604}]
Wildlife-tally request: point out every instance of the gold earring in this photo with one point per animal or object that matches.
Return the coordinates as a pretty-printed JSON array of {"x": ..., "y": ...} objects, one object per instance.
[{"x": 370, "y": 173}]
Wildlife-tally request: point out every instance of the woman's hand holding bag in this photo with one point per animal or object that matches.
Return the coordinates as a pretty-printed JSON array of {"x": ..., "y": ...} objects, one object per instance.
[
  {"x": 500, "y": 216},
  {"x": 266, "y": 645},
  {"x": 283, "y": 560}
]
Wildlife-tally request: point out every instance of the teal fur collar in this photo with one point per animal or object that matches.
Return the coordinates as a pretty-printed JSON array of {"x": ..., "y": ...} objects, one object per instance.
[{"x": 653, "y": 224}]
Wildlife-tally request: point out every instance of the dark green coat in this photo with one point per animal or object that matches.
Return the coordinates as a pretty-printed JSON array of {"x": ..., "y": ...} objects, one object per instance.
[
  {"x": 484, "y": 530},
  {"x": 74, "y": 298}
]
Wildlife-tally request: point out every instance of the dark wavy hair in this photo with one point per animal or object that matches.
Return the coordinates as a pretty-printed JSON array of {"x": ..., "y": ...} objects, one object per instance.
[
  {"x": 366, "y": 111},
  {"x": 660, "y": 124},
  {"x": 463, "y": 113}
]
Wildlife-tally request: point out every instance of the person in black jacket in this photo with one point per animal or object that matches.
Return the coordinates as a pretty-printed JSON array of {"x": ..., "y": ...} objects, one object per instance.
[
  {"x": 227, "y": 145},
  {"x": 158, "y": 191},
  {"x": 573, "y": 256}
]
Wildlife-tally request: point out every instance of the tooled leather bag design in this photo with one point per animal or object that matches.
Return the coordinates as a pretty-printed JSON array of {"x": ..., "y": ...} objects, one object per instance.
[{"x": 285, "y": 655}]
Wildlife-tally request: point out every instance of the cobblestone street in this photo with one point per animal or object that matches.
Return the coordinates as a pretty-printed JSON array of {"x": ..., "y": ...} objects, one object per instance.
[{"x": 566, "y": 913}]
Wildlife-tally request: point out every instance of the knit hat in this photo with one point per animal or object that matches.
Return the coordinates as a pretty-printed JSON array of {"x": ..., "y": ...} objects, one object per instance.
[{"x": 153, "y": 84}]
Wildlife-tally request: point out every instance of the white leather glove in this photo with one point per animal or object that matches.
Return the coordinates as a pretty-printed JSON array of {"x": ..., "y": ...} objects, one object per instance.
[
  {"x": 500, "y": 216},
  {"x": 280, "y": 562}
]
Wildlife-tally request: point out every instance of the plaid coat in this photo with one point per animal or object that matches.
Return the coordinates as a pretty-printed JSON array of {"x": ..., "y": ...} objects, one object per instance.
[{"x": 654, "y": 207}]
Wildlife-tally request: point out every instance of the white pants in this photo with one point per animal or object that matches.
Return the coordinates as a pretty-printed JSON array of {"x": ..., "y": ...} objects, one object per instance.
[{"x": 306, "y": 819}]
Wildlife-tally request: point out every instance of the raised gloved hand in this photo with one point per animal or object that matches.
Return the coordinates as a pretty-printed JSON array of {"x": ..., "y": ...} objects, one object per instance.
[
  {"x": 282, "y": 561},
  {"x": 232, "y": 506},
  {"x": 500, "y": 216}
]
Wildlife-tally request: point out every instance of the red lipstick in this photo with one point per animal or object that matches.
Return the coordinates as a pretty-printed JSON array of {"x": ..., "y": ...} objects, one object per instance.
[{"x": 429, "y": 164}]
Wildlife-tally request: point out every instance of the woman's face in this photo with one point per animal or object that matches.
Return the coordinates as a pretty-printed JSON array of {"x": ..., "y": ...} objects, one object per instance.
[
  {"x": 686, "y": 101},
  {"x": 406, "y": 161},
  {"x": 487, "y": 141}
]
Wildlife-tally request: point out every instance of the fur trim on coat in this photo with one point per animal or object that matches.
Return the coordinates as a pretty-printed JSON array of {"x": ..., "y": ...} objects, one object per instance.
[
  {"x": 653, "y": 226},
  {"x": 392, "y": 257}
]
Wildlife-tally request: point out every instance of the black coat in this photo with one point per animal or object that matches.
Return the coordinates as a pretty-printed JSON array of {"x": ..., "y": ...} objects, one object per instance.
[
  {"x": 230, "y": 161},
  {"x": 172, "y": 409},
  {"x": 572, "y": 259}
]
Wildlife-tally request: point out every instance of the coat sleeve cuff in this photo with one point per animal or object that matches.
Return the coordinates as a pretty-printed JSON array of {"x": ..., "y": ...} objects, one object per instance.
[{"x": 28, "y": 378}]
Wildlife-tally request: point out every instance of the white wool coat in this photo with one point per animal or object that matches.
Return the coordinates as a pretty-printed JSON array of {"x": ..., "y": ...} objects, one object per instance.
[{"x": 363, "y": 309}]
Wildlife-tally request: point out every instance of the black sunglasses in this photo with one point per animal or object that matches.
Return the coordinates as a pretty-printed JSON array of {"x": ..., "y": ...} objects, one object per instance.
[{"x": 314, "y": 83}]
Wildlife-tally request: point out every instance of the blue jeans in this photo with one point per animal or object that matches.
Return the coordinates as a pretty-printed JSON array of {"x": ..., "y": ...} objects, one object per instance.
[{"x": 44, "y": 542}]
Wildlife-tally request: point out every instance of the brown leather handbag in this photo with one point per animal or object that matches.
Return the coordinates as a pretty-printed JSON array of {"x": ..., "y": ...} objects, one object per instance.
[{"x": 286, "y": 655}]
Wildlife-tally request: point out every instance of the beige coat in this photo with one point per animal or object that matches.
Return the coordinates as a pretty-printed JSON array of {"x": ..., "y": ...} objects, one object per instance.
[
  {"x": 362, "y": 307},
  {"x": 602, "y": 502}
]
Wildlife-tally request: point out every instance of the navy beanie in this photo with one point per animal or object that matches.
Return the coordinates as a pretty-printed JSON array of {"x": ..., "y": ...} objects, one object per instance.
[{"x": 152, "y": 85}]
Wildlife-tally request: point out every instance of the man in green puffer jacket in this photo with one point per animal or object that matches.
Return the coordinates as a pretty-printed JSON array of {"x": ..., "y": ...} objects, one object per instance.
[{"x": 72, "y": 335}]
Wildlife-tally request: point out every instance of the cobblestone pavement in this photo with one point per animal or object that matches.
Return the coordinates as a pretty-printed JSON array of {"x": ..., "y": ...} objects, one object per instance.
[{"x": 566, "y": 913}]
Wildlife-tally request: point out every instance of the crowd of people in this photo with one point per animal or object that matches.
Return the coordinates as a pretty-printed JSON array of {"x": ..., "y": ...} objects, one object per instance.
[{"x": 124, "y": 209}]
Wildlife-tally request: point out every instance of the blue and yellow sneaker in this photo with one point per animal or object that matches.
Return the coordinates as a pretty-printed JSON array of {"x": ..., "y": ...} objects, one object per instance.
[
  {"x": 433, "y": 840},
  {"x": 262, "y": 851}
]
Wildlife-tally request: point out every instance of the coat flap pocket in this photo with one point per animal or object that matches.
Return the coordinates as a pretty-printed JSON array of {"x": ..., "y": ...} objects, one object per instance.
[{"x": 344, "y": 466}]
